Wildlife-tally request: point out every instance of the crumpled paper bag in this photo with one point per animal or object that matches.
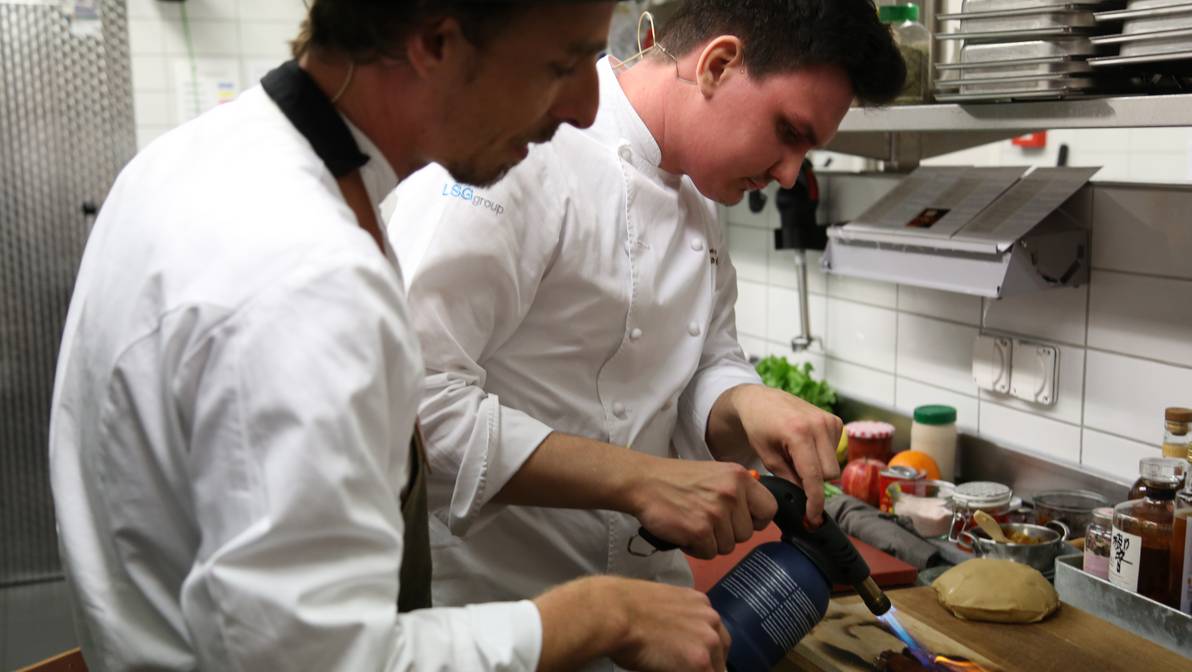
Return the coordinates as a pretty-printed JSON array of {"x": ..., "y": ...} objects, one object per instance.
[{"x": 997, "y": 591}]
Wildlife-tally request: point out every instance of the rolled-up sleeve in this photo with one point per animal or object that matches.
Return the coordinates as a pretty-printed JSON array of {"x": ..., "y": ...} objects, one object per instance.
[
  {"x": 722, "y": 365},
  {"x": 299, "y": 455},
  {"x": 472, "y": 286}
]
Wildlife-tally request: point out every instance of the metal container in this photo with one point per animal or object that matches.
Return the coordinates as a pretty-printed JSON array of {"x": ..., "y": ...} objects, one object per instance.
[
  {"x": 980, "y": 37},
  {"x": 1009, "y": 52},
  {"x": 972, "y": 6},
  {"x": 1009, "y": 96},
  {"x": 1005, "y": 85},
  {"x": 1110, "y": 61},
  {"x": 1144, "y": 617},
  {"x": 1151, "y": 4},
  {"x": 1040, "y": 555},
  {"x": 1073, "y": 508},
  {"x": 1135, "y": 21},
  {"x": 1056, "y": 65},
  {"x": 1023, "y": 19},
  {"x": 1141, "y": 44}
]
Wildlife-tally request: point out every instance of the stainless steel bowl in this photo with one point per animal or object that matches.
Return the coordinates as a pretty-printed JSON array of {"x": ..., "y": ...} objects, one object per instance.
[
  {"x": 1041, "y": 555},
  {"x": 1073, "y": 508}
]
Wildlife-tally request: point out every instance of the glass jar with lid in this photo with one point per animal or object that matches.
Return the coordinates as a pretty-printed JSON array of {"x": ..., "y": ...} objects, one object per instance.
[
  {"x": 1098, "y": 541},
  {"x": 1178, "y": 466},
  {"x": 992, "y": 498},
  {"x": 870, "y": 438},
  {"x": 1142, "y": 530},
  {"x": 1177, "y": 433}
]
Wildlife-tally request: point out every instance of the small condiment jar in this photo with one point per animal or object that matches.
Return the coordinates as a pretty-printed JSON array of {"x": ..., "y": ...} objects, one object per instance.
[
  {"x": 870, "y": 438},
  {"x": 1097, "y": 543},
  {"x": 992, "y": 498}
]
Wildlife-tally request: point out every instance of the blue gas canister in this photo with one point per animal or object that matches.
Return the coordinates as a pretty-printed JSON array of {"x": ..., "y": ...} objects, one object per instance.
[
  {"x": 769, "y": 602},
  {"x": 779, "y": 591}
]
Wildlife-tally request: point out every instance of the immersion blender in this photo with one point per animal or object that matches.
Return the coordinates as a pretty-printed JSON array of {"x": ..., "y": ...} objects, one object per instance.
[{"x": 779, "y": 591}]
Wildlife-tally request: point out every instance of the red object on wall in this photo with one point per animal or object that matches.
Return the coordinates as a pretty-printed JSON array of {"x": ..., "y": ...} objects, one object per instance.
[
  {"x": 1031, "y": 140},
  {"x": 886, "y": 569}
]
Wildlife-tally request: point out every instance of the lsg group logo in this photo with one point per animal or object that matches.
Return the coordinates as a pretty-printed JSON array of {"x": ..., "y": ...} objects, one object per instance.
[{"x": 466, "y": 193}]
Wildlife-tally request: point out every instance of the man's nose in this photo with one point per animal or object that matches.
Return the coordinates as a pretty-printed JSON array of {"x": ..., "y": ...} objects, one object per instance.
[
  {"x": 786, "y": 171},
  {"x": 579, "y": 98}
]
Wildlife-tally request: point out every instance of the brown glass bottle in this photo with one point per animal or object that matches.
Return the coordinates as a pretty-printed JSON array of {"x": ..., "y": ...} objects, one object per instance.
[
  {"x": 1139, "y": 558},
  {"x": 1138, "y": 491},
  {"x": 1180, "y": 577}
]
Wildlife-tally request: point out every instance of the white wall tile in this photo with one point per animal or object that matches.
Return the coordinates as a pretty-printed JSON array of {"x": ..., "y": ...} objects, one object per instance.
[
  {"x": 153, "y": 108},
  {"x": 1091, "y": 139},
  {"x": 149, "y": 73},
  {"x": 267, "y": 38},
  {"x": 1145, "y": 231},
  {"x": 882, "y": 294},
  {"x": 783, "y": 316},
  {"x": 147, "y": 133},
  {"x": 1016, "y": 429},
  {"x": 1051, "y": 315},
  {"x": 1164, "y": 167},
  {"x": 910, "y": 394},
  {"x": 1113, "y": 168},
  {"x": 153, "y": 9},
  {"x": 783, "y": 272},
  {"x": 944, "y": 305},
  {"x": 751, "y": 308},
  {"x": 861, "y": 334},
  {"x": 936, "y": 352},
  {"x": 1069, "y": 402},
  {"x": 214, "y": 9},
  {"x": 146, "y": 36},
  {"x": 753, "y": 346},
  {"x": 273, "y": 10},
  {"x": 740, "y": 214},
  {"x": 817, "y": 360},
  {"x": 210, "y": 37},
  {"x": 748, "y": 249},
  {"x": 1143, "y": 316},
  {"x": 860, "y": 382},
  {"x": 1127, "y": 396},
  {"x": 1114, "y": 456},
  {"x": 1156, "y": 139}
]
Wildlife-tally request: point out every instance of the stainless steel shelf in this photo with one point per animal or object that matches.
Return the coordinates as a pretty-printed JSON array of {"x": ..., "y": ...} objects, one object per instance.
[{"x": 906, "y": 134}]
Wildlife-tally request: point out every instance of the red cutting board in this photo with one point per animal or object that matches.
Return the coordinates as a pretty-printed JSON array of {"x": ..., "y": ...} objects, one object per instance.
[{"x": 886, "y": 569}]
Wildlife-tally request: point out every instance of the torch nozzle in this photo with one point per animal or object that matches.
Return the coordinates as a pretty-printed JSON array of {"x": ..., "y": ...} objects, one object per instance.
[{"x": 874, "y": 598}]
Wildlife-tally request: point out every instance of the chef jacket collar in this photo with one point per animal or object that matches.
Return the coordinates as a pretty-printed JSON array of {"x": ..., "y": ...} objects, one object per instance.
[{"x": 629, "y": 124}]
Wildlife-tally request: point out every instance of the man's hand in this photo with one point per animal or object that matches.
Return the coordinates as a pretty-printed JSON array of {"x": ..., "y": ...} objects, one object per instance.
[
  {"x": 641, "y": 625},
  {"x": 705, "y": 508},
  {"x": 794, "y": 439}
]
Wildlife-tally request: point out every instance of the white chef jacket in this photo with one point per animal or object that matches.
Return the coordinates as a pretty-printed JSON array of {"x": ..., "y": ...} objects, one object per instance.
[
  {"x": 231, "y": 421},
  {"x": 589, "y": 292}
]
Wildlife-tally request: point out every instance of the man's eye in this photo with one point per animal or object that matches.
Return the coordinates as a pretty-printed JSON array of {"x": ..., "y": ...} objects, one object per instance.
[
  {"x": 563, "y": 69},
  {"x": 789, "y": 135}
]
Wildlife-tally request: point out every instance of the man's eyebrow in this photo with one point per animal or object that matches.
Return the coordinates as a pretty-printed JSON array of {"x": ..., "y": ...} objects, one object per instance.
[{"x": 586, "y": 48}]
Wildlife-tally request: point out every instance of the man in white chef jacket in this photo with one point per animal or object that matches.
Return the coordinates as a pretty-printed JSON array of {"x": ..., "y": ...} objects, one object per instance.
[
  {"x": 239, "y": 376},
  {"x": 585, "y": 304}
]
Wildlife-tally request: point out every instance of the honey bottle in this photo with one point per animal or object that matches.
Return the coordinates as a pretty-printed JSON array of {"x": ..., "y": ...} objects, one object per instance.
[{"x": 1139, "y": 559}]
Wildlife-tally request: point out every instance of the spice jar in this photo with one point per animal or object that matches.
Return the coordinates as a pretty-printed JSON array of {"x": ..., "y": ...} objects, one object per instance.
[
  {"x": 1177, "y": 433},
  {"x": 992, "y": 498},
  {"x": 914, "y": 43},
  {"x": 934, "y": 433},
  {"x": 869, "y": 438},
  {"x": 1142, "y": 532},
  {"x": 1097, "y": 542}
]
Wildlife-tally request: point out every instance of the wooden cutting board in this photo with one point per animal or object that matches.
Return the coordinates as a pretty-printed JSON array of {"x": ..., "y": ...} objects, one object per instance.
[{"x": 849, "y": 638}]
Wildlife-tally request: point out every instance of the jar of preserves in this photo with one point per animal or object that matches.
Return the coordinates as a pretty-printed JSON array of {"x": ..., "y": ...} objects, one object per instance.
[
  {"x": 1178, "y": 466},
  {"x": 1097, "y": 542},
  {"x": 1177, "y": 433},
  {"x": 992, "y": 498},
  {"x": 870, "y": 438}
]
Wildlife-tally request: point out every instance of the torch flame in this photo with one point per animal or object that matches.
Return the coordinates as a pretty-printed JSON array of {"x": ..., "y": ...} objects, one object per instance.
[{"x": 952, "y": 665}]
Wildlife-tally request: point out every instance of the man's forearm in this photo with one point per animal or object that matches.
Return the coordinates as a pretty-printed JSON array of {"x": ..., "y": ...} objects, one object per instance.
[{"x": 574, "y": 472}]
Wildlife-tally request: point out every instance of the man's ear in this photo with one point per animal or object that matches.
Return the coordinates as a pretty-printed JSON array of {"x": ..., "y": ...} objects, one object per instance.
[
  {"x": 436, "y": 46},
  {"x": 721, "y": 58}
]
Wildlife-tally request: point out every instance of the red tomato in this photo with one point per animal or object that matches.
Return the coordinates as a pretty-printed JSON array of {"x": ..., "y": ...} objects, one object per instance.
[{"x": 860, "y": 479}]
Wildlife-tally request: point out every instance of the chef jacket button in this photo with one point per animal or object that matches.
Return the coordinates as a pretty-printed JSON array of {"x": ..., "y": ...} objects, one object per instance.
[
  {"x": 697, "y": 245},
  {"x": 635, "y": 334},
  {"x": 625, "y": 153},
  {"x": 619, "y": 409},
  {"x": 693, "y": 329}
]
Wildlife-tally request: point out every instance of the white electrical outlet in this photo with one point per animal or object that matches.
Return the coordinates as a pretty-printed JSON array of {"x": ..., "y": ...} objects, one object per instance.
[
  {"x": 1035, "y": 371},
  {"x": 992, "y": 362}
]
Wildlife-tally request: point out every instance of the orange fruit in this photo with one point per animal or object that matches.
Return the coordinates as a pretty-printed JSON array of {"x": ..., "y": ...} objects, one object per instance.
[{"x": 918, "y": 461}]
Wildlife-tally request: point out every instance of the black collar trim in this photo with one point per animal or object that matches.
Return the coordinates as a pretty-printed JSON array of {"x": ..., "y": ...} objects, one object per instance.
[{"x": 311, "y": 112}]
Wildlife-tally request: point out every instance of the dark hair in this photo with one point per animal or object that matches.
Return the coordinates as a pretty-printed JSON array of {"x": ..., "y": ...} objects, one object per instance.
[
  {"x": 366, "y": 30},
  {"x": 783, "y": 35}
]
